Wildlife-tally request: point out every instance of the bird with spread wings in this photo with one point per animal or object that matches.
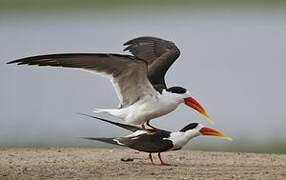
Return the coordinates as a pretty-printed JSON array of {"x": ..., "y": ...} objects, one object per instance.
[{"x": 138, "y": 79}]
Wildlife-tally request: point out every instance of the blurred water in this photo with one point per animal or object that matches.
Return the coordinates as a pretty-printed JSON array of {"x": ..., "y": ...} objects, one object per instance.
[{"x": 232, "y": 60}]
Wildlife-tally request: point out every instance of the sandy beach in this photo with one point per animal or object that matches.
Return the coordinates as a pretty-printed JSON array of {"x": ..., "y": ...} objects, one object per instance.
[{"x": 93, "y": 163}]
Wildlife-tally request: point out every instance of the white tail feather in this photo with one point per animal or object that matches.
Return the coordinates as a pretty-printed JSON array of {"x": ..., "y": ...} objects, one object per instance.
[
  {"x": 113, "y": 112},
  {"x": 99, "y": 110}
]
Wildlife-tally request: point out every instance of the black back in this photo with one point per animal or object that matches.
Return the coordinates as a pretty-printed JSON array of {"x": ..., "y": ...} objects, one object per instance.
[{"x": 148, "y": 142}]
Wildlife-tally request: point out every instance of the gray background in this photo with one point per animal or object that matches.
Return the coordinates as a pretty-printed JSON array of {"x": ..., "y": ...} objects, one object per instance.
[{"x": 232, "y": 60}]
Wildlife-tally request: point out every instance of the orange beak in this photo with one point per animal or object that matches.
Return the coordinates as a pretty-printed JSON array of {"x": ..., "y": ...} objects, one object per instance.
[
  {"x": 191, "y": 102},
  {"x": 211, "y": 132}
]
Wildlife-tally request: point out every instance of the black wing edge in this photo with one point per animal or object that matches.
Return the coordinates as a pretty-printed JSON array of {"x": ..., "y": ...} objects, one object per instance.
[
  {"x": 124, "y": 126},
  {"x": 27, "y": 60}
]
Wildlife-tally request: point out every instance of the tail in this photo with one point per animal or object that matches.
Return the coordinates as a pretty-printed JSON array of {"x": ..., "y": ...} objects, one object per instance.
[
  {"x": 124, "y": 126},
  {"x": 113, "y": 112},
  {"x": 105, "y": 140},
  {"x": 98, "y": 110}
]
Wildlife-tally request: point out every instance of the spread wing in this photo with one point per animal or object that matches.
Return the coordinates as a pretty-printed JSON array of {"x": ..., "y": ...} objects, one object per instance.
[
  {"x": 127, "y": 73},
  {"x": 158, "y": 53}
]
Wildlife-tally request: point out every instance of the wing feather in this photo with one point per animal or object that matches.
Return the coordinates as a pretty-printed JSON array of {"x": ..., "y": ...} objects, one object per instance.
[
  {"x": 160, "y": 55},
  {"x": 127, "y": 73}
]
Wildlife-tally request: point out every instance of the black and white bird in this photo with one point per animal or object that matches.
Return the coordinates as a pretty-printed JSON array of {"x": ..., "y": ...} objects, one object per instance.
[
  {"x": 139, "y": 80},
  {"x": 159, "y": 140}
]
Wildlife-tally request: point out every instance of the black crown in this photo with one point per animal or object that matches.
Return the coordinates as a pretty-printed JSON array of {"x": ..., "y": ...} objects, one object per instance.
[{"x": 177, "y": 89}]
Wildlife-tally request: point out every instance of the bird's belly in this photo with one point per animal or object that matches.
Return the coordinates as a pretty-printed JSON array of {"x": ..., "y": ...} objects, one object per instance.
[{"x": 147, "y": 111}]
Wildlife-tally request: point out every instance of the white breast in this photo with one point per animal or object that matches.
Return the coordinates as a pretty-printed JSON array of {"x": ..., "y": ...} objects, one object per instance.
[{"x": 149, "y": 108}]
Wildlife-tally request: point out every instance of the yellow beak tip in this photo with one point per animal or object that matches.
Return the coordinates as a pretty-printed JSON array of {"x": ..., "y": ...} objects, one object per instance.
[{"x": 208, "y": 119}]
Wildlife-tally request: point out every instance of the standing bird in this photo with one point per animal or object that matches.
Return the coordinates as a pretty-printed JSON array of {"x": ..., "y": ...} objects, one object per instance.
[
  {"x": 159, "y": 140},
  {"x": 139, "y": 80}
]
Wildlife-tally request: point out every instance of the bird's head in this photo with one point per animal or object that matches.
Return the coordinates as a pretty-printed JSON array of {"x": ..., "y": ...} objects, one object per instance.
[
  {"x": 185, "y": 96},
  {"x": 196, "y": 129}
]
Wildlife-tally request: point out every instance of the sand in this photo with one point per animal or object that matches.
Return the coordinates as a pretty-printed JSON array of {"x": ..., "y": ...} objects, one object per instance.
[{"x": 93, "y": 163}]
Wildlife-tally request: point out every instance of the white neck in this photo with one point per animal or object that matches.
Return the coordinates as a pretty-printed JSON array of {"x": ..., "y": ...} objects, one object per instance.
[
  {"x": 173, "y": 97},
  {"x": 180, "y": 139}
]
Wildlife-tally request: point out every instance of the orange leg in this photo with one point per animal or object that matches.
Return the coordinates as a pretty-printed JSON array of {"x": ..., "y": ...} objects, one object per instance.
[
  {"x": 150, "y": 157},
  {"x": 148, "y": 124},
  {"x": 162, "y": 162},
  {"x": 143, "y": 127},
  {"x": 149, "y": 131}
]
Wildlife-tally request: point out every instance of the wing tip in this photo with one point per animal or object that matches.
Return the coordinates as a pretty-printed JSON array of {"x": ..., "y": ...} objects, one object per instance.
[
  {"x": 127, "y": 48},
  {"x": 140, "y": 39},
  {"x": 89, "y": 138},
  {"x": 131, "y": 43},
  {"x": 129, "y": 127},
  {"x": 13, "y": 62}
]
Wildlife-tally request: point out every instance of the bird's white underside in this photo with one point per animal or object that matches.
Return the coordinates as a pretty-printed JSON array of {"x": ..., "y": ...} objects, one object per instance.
[
  {"x": 148, "y": 107},
  {"x": 108, "y": 76},
  {"x": 143, "y": 110}
]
